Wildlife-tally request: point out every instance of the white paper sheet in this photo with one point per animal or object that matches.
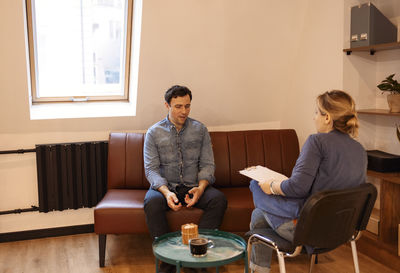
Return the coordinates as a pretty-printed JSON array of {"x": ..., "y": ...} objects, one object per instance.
[{"x": 260, "y": 173}]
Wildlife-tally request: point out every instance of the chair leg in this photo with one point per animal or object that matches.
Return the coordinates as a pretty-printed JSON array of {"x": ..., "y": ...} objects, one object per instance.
[
  {"x": 102, "y": 249},
  {"x": 355, "y": 257},
  {"x": 249, "y": 249},
  {"x": 249, "y": 245},
  {"x": 312, "y": 262},
  {"x": 281, "y": 261}
]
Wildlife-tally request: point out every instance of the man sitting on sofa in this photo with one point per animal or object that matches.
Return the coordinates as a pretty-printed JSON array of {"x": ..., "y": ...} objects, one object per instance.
[{"x": 179, "y": 164}]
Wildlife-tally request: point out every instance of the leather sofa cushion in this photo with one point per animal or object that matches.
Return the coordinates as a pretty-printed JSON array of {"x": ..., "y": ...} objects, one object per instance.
[
  {"x": 240, "y": 205},
  {"x": 121, "y": 212}
]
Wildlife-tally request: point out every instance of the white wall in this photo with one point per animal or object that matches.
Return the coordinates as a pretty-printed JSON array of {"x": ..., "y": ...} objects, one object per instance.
[
  {"x": 317, "y": 65},
  {"x": 250, "y": 64}
]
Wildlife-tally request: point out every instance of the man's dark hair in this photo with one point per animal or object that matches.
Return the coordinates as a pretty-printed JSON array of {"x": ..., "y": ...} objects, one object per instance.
[{"x": 177, "y": 91}]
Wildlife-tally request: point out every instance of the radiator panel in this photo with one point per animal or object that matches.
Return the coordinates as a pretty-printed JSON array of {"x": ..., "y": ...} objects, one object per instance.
[{"x": 71, "y": 175}]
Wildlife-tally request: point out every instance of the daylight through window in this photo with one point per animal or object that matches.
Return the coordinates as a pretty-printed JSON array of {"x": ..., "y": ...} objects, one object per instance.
[{"x": 79, "y": 49}]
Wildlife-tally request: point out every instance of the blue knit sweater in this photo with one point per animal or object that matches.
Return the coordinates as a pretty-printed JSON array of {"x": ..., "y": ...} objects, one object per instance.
[{"x": 327, "y": 161}]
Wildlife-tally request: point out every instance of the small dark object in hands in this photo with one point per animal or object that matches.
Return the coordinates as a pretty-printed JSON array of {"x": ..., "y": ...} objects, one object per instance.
[{"x": 181, "y": 191}]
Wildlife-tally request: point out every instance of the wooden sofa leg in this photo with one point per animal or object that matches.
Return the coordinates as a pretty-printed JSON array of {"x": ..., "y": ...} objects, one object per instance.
[{"x": 102, "y": 249}]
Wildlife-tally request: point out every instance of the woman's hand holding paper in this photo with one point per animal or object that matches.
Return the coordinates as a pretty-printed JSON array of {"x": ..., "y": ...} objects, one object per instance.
[{"x": 266, "y": 185}]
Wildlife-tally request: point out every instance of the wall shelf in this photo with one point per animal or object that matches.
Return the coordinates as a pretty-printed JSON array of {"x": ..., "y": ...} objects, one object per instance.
[
  {"x": 381, "y": 112},
  {"x": 374, "y": 48}
]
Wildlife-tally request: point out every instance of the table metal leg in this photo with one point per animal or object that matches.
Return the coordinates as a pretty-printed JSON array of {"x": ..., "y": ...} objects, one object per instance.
[
  {"x": 217, "y": 269},
  {"x": 246, "y": 263},
  {"x": 178, "y": 267},
  {"x": 156, "y": 265}
]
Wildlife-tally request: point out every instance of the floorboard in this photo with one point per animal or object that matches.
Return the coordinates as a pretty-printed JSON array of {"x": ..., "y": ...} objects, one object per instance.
[{"x": 133, "y": 253}]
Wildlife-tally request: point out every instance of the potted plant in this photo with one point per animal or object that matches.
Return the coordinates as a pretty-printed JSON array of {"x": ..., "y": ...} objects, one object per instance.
[{"x": 392, "y": 86}]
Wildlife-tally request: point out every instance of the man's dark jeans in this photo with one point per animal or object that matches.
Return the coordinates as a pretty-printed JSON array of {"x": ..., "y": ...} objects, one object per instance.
[{"x": 213, "y": 202}]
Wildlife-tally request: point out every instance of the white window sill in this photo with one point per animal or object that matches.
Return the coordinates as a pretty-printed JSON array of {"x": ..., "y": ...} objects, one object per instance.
[{"x": 82, "y": 110}]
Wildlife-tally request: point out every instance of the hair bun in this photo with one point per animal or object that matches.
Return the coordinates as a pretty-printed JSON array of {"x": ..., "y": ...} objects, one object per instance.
[{"x": 341, "y": 107}]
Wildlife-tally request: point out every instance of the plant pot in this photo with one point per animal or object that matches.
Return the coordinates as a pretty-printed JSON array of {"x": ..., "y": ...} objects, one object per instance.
[{"x": 394, "y": 102}]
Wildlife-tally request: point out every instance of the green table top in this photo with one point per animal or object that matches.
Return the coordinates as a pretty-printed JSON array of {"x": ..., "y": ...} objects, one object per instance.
[{"x": 227, "y": 248}]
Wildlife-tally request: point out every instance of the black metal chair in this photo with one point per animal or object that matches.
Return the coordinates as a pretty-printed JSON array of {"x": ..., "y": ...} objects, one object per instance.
[{"x": 327, "y": 220}]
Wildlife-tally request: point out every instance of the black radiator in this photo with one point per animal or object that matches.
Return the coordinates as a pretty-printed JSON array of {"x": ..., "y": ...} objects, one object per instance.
[{"x": 71, "y": 175}]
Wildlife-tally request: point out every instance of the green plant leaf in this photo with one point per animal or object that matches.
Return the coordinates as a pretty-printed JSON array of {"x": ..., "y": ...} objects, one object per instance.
[{"x": 389, "y": 84}]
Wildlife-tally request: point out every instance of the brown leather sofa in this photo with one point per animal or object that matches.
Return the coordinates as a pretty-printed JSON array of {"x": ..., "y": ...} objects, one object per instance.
[{"x": 121, "y": 209}]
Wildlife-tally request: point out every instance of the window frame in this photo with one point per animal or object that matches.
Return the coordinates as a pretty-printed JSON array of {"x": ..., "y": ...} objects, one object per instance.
[{"x": 72, "y": 99}]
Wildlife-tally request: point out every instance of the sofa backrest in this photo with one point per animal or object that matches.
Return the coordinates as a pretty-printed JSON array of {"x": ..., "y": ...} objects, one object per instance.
[
  {"x": 236, "y": 150},
  {"x": 233, "y": 151}
]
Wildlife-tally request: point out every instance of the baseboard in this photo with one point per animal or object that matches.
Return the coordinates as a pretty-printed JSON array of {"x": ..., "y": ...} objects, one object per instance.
[{"x": 44, "y": 233}]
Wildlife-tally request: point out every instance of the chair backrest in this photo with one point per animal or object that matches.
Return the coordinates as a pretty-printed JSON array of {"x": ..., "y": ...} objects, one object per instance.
[{"x": 330, "y": 218}]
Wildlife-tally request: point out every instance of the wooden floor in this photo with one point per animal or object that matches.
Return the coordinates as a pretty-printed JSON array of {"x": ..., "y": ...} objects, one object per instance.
[{"x": 132, "y": 253}]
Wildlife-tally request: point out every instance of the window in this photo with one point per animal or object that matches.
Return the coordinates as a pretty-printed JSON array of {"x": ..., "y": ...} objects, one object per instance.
[{"x": 79, "y": 50}]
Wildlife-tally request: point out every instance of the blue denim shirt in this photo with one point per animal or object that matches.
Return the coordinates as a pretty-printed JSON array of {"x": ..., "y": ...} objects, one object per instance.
[{"x": 172, "y": 157}]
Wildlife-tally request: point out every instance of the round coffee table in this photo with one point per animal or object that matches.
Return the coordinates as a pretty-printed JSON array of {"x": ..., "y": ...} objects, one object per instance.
[{"x": 228, "y": 248}]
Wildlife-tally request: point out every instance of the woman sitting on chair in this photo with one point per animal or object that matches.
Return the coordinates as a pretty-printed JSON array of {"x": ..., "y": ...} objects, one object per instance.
[{"x": 329, "y": 160}]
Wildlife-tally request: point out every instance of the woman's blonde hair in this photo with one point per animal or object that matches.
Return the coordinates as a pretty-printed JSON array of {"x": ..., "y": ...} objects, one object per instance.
[{"x": 341, "y": 107}]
